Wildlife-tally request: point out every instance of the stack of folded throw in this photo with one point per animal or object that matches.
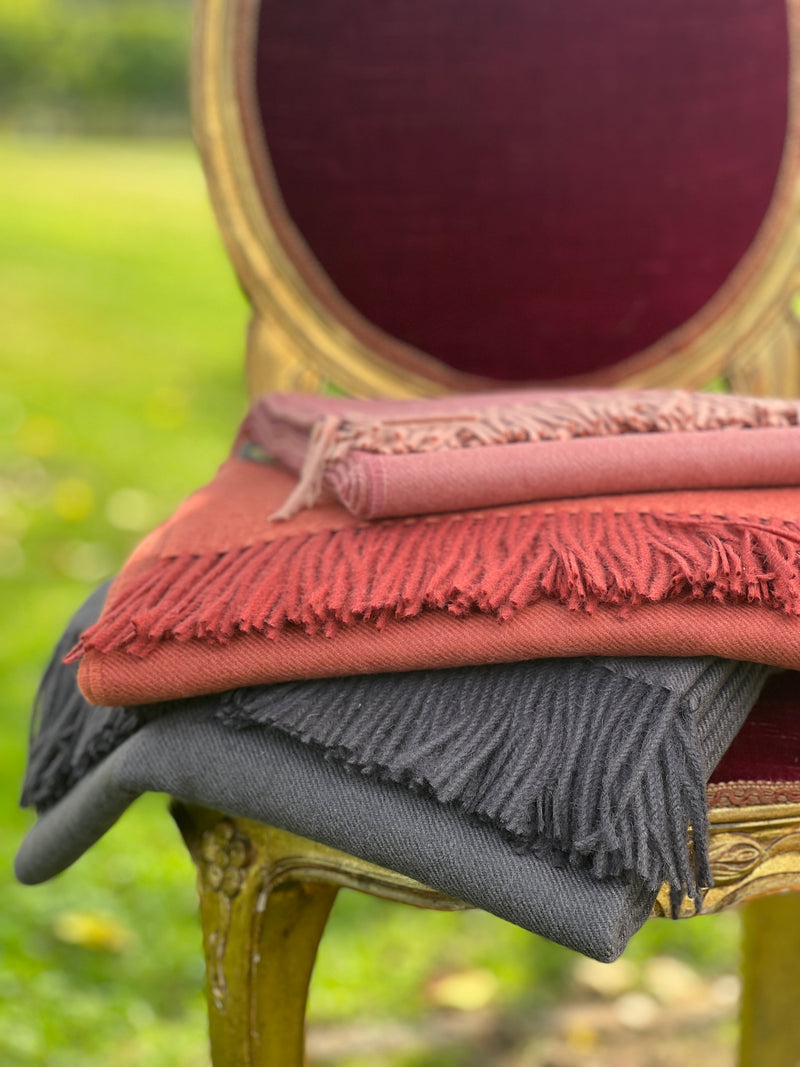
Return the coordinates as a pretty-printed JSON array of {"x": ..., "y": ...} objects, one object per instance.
[{"x": 495, "y": 642}]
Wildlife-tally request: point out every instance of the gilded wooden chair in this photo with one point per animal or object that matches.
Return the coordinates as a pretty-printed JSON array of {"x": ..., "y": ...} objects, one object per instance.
[{"x": 427, "y": 197}]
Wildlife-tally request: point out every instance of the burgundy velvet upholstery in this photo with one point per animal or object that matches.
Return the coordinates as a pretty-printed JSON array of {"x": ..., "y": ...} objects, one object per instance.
[
  {"x": 526, "y": 190},
  {"x": 767, "y": 748}
]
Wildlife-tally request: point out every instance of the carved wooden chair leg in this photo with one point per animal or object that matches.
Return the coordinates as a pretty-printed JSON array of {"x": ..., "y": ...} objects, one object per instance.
[
  {"x": 265, "y": 896},
  {"x": 262, "y": 922},
  {"x": 770, "y": 1017}
]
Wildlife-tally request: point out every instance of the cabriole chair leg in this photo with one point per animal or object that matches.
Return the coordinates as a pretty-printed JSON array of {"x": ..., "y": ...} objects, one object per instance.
[
  {"x": 770, "y": 1017},
  {"x": 265, "y": 896},
  {"x": 262, "y": 923}
]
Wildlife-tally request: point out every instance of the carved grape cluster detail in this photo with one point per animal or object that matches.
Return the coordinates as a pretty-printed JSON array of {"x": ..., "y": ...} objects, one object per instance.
[{"x": 224, "y": 858}]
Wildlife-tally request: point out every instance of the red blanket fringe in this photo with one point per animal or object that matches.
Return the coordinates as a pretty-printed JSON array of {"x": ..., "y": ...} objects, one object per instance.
[{"x": 494, "y": 563}]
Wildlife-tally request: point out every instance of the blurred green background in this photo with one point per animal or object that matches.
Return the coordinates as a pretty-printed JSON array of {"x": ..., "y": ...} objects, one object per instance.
[{"x": 121, "y": 352}]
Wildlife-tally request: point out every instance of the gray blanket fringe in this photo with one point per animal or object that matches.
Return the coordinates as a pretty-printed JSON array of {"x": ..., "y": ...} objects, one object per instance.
[
  {"x": 67, "y": 735},
  {"x": 590, "y": 759}
]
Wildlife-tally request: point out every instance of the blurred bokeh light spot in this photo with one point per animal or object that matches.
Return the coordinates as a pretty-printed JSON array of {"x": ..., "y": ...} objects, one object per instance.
[
  {"x": 726, "y": 990},
  {"x": 73, "y": 499},
  {"x": 26, "y": 480},
  {"x": 39, "y": 435},
  {"x": 468, "y": 990},
  {"x": 131, "y": 509},
  {"x": 671, "y": 981},
  {"x": 636, "y": 1011},
  {"x": 97, "y": 932},
  {"x": 87, "y": 561},
  {"x": 581, "y": 1037},
  {"x": 605, "y": 979}
]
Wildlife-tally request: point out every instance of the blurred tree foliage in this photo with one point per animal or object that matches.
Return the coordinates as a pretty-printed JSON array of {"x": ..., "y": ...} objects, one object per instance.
[{"x": 95, "y": 66}]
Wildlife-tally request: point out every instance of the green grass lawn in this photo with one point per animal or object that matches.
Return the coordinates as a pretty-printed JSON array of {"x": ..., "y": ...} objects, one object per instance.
[{"x": 121, "y": 358}]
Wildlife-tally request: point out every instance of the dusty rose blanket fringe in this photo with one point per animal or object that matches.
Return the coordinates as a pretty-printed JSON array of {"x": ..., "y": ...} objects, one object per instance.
[
  {"x": 490, "y": 562},
  {"x": 390, "y": 458}
]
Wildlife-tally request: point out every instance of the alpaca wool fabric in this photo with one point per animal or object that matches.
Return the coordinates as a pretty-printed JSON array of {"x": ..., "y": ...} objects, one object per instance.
[
  {"x": 574, "y": 774},
  {"x": 177, "y": 669},
  {"x": 604, "y": 762},
  {"x": 68, "y": 736},
  {"x": 262, "y": 774},
  {"x": 384, "y": 458},
  {"x": 597, "y": 763},
  {"x": 220, "y": 596}
]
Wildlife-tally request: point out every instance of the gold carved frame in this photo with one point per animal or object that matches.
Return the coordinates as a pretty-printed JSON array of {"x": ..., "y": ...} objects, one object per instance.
[{"x": 305, "y": 336}]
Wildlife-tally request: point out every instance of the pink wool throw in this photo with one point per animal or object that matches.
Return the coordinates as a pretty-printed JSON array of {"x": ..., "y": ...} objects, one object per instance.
[{"x": 384, "y": 458}]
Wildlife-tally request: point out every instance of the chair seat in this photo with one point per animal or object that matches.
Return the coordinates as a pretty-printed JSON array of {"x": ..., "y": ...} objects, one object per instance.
[{"x": 763, "y": 763}]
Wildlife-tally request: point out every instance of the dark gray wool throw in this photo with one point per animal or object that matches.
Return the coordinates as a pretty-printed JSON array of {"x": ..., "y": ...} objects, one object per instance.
[
  {"x": 599, "y": 764},
  {"x": 262, "y": 774}
]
